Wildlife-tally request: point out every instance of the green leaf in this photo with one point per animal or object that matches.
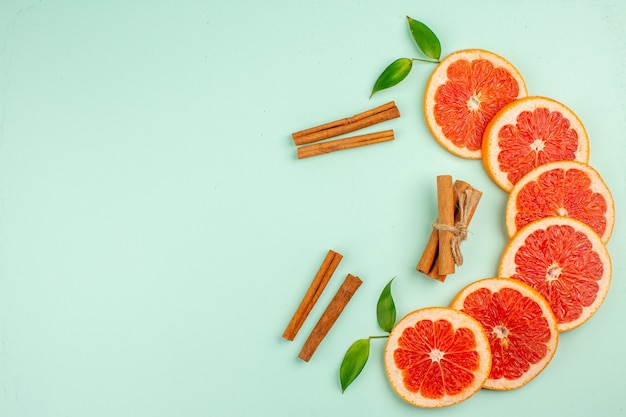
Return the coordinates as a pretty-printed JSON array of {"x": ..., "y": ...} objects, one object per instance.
[
  {"x": 386, "y": 309},
  {"x": 393, "y": 74},
  {"x": 353, "y": 362},
  {"x": 425, "y": 39}
]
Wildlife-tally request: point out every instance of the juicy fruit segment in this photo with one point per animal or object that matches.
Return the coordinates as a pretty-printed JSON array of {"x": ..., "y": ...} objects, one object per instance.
[
  {"x": 437, "y": 357},
  {"x": 464, "y": 93},
  {"x": 520, "y": 325},
  {"x": 530, "y": 132},
  {"x": 566, "y": 262},
  {"x": 562, "y": 188},
  {"x": 467, "y": 90}
]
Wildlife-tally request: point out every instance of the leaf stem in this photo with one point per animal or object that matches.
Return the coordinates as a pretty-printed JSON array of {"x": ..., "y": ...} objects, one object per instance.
[
  {"x": 379, "y": 337},
  {"x": 432, "y": 61}
]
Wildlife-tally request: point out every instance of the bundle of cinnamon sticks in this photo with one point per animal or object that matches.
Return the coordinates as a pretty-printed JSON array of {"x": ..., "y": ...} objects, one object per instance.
[
  {"x": 456, "y": 205},
  {"x": 331, "y": 314},
  {"x": 312, "y": 141}
]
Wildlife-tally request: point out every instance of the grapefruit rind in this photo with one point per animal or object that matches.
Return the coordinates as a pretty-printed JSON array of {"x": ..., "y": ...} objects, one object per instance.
[
  {"x": 508, "y": 269},
  {"x": 508, "y": 116},
  {"x": 597, "y": 186},
  {"x": 458, "y": 320},
  {"x": 494, "y": 285},
  {"x": 439, "y": 77}
]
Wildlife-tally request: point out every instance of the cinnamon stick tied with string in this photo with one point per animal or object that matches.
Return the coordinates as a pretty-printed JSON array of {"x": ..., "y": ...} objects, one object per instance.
[
  {"x": 466, "y": 199},
  {"x": 429, "y": 256},
  {"x": 329, "y": 317},
  {"x": 320, "y": 280},
  {"x": 339, "y": 127}
]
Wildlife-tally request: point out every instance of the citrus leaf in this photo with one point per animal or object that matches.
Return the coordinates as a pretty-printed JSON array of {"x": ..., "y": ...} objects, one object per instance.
[
  {"x": 393, "y": 74},
  {"x": 353, "y": 362},
  {"x": 425, "y": 39},
  {"x": 386, "y": 309}
]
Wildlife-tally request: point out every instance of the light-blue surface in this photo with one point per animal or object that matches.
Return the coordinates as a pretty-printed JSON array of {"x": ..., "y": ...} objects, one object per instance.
[{"x": 157, "y": 231}]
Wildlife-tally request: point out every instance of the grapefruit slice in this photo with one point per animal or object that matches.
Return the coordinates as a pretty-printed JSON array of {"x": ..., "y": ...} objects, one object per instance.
[
  {"x": 521, "y": 327},
  {"x": 530, "y": 132},
  {"x": 463, "y": 93},
  {"x": 437, "y": 357},
  {"x": 565, "y": 261},
  {"x": 562, "y": 188}
]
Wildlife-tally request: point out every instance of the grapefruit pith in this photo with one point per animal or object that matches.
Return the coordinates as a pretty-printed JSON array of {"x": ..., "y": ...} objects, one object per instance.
[
  {"x": 565, "y": 261},
  {"x": 521, "y": 327},
  {"x": 463, "y": 93},
  {"x": 562, "y": 188},
  {"x": 530, "y": 132},
  {"x": 437, "y": 357}
]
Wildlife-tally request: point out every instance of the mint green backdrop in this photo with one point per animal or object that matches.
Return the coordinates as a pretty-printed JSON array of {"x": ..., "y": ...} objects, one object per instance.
[{"x": 157, "y": 231}]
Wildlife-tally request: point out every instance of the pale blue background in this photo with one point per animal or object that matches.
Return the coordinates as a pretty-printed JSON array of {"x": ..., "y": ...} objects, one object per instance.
[{"x": 157, "y": 231}]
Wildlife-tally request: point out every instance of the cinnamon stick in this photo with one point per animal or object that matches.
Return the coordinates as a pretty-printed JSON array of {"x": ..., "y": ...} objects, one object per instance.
[
  {"x": 460, "y": 187},
  {"x": 346, "y": 143},
  {"x": 445, "y": 217},
  {"x": 330, "y": 316},
  {"x": 429, "y": 255},
  {"x": 370, "y": 117},
  {"x": 321, "y": 278},
  {"x": 434, "y": 271}
]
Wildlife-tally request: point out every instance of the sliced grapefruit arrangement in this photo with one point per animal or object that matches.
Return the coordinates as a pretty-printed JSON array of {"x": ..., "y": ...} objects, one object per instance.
[
  {"x": 562, "y": 188},
  {"x": 464, "y": 93},
  {"x": 437, "y": 356},
  {"x": 530, "y": 132},
  {"x": 554, "y": 273},
  {"x": 565, "y": 261},
  {"x": 520, "y": 325}
]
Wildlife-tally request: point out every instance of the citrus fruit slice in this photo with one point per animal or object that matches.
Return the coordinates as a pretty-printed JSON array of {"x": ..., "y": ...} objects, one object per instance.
[
  {"x": 521, "y": 327},
  {"x": 565, "y": 261},
  {"x": 530, "y": 132},
  {"x": 437, "y": 357},
  {"x": 463, "y": 93},
  {"x": 562, "y": 188}
]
